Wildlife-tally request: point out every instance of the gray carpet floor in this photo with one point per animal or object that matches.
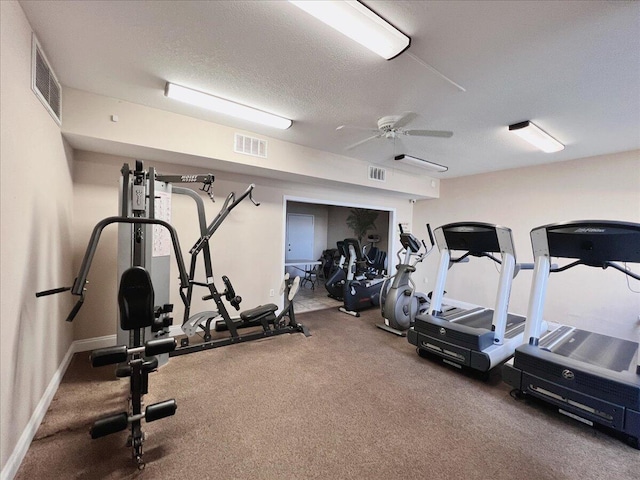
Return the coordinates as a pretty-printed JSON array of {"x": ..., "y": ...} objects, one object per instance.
[{"x": 349, "y": 402}]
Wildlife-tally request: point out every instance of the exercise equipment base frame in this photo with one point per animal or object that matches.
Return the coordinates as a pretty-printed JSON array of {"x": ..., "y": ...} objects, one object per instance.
[
  {"x": 395, "y": 331},
  {"x": 223, "y": 342},
  {"x": 621, "y": 420}
]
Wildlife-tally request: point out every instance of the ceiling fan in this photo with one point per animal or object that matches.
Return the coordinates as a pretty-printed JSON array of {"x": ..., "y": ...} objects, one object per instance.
[{"x": 392, "y": 127}]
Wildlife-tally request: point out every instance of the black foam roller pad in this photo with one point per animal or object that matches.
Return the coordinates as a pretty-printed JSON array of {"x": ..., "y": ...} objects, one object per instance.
[
  {"x": 159, "y": 345},
  {"x": 108, "y": 356},
  {"x": 108, "y": 425},
  {"x": 160, "y": 410}
]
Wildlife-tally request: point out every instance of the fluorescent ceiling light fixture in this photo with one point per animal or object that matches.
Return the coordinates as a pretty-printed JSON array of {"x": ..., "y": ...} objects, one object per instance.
[
  {"x": 418, "y": 162},
  {"x": 357, "y": 22},
  {"x": 536, "y": 136},
  {"x": 227, "y": 107}
]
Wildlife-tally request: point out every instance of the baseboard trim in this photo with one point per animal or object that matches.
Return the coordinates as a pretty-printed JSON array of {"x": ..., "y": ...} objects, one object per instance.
[
  {"x": 13, "y": 463},
  {"x": 89, "y": 344},
  {"x": 110, "y": 340}
]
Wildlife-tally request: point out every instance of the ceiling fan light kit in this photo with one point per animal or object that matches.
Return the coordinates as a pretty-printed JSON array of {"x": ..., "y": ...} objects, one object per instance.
[
  {"x": 226, "y": 107},
  {"x": 537, "y": 137},
  {"x": 419, "y": 162},
  {"x": 359, "y": 23}
]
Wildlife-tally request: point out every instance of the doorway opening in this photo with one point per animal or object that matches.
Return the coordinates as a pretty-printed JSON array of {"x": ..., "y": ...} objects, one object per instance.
[{"x": 329, "y": 226}]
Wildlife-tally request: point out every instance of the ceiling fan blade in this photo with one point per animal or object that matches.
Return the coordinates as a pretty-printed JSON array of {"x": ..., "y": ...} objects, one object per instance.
[
  {"x": 356, "y": 127},
  {"x": 429, "y": 133},
  {"x": 362, "y": 141},
  {"x": 405, "y": 119}
]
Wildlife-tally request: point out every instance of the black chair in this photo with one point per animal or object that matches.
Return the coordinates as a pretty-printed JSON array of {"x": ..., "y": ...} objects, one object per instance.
[{"x": 311, "y": 274}]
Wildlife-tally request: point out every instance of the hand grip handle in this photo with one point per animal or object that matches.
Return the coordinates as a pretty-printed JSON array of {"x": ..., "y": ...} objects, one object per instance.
[
  {"x": 75, "y": 310},
  {"x": 52, "y": 291}
]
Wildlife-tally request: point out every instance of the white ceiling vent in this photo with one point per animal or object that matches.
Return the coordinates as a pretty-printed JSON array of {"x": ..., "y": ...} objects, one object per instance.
[
  {"x": 44, "y": 82},
  {"x": 378, "y": 174},
  {"x": 250, "y": 146}
]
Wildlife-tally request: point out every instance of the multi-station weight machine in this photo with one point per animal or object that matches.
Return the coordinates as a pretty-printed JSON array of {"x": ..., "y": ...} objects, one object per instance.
[
  {"x": 156, "y": 252},
  {"x": 145, "y": 242}
]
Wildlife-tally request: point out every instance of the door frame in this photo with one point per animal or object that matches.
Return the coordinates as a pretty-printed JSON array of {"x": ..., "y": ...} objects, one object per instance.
[{"x": 391, "y": 240}]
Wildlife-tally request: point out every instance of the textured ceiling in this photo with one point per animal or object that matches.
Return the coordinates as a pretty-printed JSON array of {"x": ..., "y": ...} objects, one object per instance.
[{"x": 572, "y": 67}]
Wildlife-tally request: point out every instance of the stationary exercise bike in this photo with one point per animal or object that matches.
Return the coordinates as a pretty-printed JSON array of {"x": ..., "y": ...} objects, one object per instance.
[
  {"x": 361, "y": 288},
  {"x": 399, "y": 301},
  {"x": 338, "y": 276}
]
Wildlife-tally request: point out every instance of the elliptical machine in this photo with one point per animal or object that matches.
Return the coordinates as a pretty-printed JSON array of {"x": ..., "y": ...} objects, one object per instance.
[
  {"x": 335, "y": 282},
  {"x": 399, "y": 301},
  {"x": 361, "y": 290}
]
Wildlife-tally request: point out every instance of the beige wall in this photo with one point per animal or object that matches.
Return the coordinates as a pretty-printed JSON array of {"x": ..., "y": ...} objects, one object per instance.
[
  {"x": 248, "y": 247},
  {"x": 159, "y": 135},
  {"x": 36, "y": 212},
  {"x": 604, "y": 187}
]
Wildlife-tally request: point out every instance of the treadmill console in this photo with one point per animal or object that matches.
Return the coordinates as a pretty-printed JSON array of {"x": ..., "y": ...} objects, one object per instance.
[{"x": 593, "y": 242}]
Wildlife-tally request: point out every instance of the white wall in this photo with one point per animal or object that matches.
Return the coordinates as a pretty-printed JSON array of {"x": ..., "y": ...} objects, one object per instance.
[
  {"x": 36, "y": 237},
  {"x": 248, "y": 247},
  {"x": 605, "y": 187}
]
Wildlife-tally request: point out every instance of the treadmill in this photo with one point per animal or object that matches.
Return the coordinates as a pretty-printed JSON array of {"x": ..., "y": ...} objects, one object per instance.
[
  {"x": 479, "y": 338},
  {"x": 590, "y": 377}
]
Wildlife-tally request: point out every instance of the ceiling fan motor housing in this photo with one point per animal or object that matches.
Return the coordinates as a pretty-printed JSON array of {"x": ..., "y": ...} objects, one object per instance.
[{"x": 386, "y": 124}]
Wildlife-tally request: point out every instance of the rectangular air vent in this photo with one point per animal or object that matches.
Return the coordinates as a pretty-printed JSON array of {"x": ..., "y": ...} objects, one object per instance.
[
  {"x": 44, "y": 82},
  {"x": 250, "y": 146},
  {"x": 377, "y": 173}
]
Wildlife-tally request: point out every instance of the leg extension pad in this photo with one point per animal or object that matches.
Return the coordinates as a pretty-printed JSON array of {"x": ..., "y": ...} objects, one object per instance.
[
  {"x": 108, "y": 425},
  {"x": 159, "y": 345},
  {"x": 108, "y": 356},
  {"x": 160, "y": 410}
]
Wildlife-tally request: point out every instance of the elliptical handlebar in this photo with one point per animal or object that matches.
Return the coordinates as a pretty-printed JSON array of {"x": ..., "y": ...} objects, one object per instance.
[
  {"x": 419, "y": 256},
  {"x": 427, "y": 250},
  {"x": 433, "y": 242}
]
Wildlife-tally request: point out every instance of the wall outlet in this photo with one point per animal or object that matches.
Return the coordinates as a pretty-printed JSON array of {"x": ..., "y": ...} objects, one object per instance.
[{"x": 272, "y": 292}]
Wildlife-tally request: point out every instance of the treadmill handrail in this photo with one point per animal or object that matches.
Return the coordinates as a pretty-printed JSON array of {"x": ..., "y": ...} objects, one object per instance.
[{"x": 604, "y": 266}]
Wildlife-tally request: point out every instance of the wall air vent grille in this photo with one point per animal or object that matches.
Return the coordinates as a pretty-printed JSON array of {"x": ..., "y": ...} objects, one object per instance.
[
  {"x": 377, "y": 173},
  {"x": 44, "y": 82},
  {"x": 250, "y": 146}
]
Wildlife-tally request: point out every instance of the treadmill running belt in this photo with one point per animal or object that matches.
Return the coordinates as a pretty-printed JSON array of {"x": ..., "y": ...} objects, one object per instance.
[
  {"x": 600, "y": 350},
  {"x": 484, "y": 318}
]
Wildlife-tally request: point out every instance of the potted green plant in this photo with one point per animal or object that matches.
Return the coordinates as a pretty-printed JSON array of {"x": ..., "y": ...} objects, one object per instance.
[{"x": 361, "y": 220}]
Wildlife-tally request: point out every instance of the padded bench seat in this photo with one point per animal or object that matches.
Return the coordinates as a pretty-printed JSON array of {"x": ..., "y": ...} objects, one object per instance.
[{"x": 258, "y": 312}]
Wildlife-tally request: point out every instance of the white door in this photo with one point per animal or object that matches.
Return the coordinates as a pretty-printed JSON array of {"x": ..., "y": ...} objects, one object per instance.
[{"x": 299, "y": 237}]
